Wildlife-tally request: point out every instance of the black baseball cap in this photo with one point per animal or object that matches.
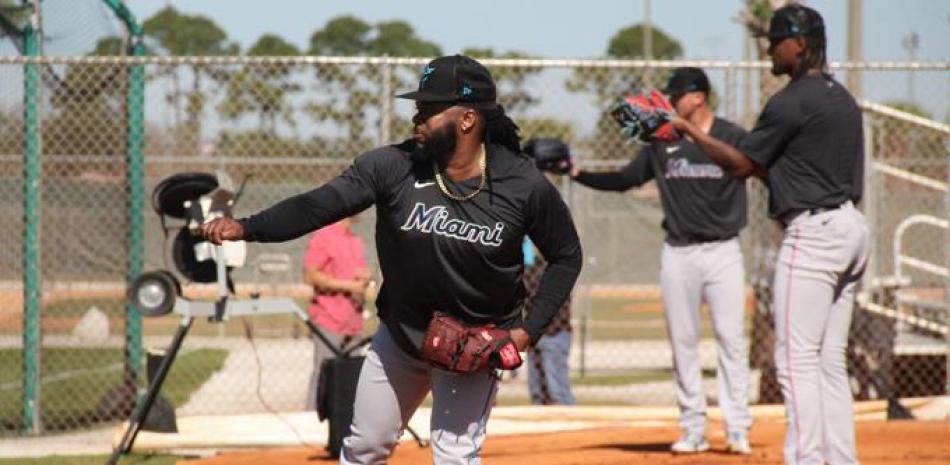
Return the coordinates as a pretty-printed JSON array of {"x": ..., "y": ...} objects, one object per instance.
[
  {"x": 688, "y": 79},
  {"x": 455, "y": 79},
  {"x": 795, "y": 21}
]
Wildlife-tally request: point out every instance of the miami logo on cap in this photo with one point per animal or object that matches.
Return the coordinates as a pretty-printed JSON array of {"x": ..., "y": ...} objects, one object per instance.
[{"x": 426, "y": 74}]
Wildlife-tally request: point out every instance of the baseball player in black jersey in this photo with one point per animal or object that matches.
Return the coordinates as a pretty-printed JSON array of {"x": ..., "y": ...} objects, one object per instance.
[
  {"x": 453, "y": 206},
  {"x": 704, "y": 209},
  {"x": 808, "y": 145}
]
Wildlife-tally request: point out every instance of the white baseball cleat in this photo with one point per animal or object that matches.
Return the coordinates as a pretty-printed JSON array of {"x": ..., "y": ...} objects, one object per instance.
[
  {"x": 690, "y": 443},
  {"x": 739, "y": 444}
]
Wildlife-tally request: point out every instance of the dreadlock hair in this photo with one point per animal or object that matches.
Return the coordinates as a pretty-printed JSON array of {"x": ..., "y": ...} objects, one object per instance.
[
  {"x": 815, "y": 56},
  {"x": 500, "y": 129}
]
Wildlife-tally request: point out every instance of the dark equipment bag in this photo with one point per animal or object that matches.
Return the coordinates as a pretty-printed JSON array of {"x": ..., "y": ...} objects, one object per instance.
[{"x": 336, "y": 393}]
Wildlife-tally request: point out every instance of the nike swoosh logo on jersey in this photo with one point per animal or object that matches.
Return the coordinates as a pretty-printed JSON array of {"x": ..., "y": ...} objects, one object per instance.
[
  {"x": 672, "y": 149},
  {"x": 420, "y": 185}
]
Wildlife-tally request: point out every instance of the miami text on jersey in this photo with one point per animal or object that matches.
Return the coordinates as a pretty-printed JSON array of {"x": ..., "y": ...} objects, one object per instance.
[
  {"x": 436, "y": 220},
  {"x": 682, "y": 168}
]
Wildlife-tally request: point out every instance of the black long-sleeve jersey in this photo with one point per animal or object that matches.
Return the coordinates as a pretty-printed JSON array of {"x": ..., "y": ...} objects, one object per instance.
[
  {"x": 438, "y": 254},
  {"x": 700, "y": 201}
]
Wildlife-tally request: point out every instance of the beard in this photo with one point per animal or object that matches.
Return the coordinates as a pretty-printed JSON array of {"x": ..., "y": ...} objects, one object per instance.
[
  {"x": 439, "y": 145},
  {"x": 778, "y": 69}
]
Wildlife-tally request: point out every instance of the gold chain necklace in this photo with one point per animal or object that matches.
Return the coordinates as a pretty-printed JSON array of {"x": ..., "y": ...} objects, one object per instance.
[{"x": 470, "y": 195}]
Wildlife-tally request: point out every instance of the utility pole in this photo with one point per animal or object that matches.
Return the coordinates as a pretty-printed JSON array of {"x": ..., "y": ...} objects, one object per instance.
[
  {"x": 855, "y": 21},
  {"x": 911, "y": 42},
  {"x": 647, "y": 32},
  {"x": 747, "y": 45},
  {"x": 647, "y": 43}
]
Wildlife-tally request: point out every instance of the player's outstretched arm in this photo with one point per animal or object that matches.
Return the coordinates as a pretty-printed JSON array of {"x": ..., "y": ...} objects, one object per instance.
[
  {"x": 288, "y": 219},
  {"x": 553, "y": 155},
  {"x": 634, "y": 174},
  {"x": 346, "y": 195},
  {"x": 721, "y": 153}
]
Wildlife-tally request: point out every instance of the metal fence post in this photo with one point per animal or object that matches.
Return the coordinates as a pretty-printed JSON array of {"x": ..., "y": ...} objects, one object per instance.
[
  {"x": 32, "y": 421},
  {"x": 135, "y": 174},
  {"x": 385, "y": 102},
  {"x": 870, "y": 200},
  {"x": 729, "y": 95},
  {"x": 946, "y": 255},
  {"x": 583, "y": 297},
  {"x": 135, "y": 166}
]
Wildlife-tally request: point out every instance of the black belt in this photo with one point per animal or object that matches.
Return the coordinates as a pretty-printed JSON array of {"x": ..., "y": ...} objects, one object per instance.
[
  {"x": 789, "y": 216},
  {"x": 689, "y": 239}
]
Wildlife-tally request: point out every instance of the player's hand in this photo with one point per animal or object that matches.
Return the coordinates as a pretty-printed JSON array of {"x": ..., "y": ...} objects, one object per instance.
[
  {"x": 222, "y": 229},
  {"x": 682, "y": 125},
  {"x": 520, "y": 338}
]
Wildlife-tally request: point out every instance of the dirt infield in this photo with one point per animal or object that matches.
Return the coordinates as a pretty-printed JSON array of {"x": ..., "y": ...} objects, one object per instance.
[{"x": 879, "y": 443}]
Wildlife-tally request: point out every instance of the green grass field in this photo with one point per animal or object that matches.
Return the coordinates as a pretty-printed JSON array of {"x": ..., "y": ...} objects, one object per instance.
[{"x": 76, "y": 380}]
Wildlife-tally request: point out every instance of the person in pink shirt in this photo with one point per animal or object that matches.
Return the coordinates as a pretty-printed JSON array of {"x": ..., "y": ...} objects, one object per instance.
[{"x": 334, "y": 264}]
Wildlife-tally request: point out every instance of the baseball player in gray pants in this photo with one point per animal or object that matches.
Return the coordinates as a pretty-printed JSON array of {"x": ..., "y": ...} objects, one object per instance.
[
  {"x": 453, "y": 206},
  {"x": 808, "y": 144},
  {"x": 701, "y": 260}
]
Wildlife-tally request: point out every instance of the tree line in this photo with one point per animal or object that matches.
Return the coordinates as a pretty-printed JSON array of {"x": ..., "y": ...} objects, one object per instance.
[{"x": 269, "y": 105}]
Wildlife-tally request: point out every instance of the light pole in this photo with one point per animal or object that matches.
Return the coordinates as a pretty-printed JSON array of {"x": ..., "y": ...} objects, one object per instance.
[
  {"x": 647, "y": 43},
  {"x": 911, "y": 42},
  {"x": 647, "y": 32},
  {"x": 854, "y": 45}
]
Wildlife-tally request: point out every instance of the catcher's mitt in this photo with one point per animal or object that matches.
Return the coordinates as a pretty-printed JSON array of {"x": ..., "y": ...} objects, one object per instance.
[
  {"x": 451, "y": 345},
  {"x": 550, "y": 154},
  {"x": 645, "y": 118}
]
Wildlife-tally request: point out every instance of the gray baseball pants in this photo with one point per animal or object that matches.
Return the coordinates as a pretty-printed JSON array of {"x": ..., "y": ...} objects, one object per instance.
[
  {"x": 710, "y": 272},
  {"x": 819, "y": 263},
  {"x": 392, "y": 384}
]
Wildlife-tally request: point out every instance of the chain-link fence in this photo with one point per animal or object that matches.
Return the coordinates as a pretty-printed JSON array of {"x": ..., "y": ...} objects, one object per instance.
[{"x": 289, "y": 124}]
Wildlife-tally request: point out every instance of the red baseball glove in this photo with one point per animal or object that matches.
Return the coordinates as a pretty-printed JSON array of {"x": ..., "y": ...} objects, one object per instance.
[
  {"x": 451, "y": 345},
  {"x": 645, "y": 118}
]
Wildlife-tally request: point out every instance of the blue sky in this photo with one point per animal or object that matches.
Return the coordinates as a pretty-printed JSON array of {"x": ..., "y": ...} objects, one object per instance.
[
  {"x": 573, "y": 28},
  {"x": 582, "y": 29}
]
